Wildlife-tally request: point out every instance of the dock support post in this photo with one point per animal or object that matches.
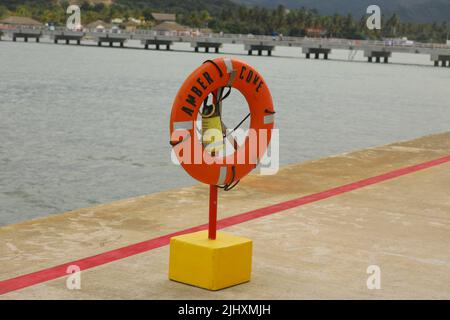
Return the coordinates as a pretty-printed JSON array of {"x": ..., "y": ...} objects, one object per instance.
[
  {"x": 167, "y": 47},
  {"x": 212, "y": 228},
  {"x": 55, "y": 41},
  {"x": 157, "y": 46},
  {"x": 316, "y": 56},
  {"x": 217, "y": 49},
  {"x": 250, "y": 52},
  {"x": 99, "y": 43},
  {"x": 260, "y": 52},
  {"x": 121, "y": 44},
  {"x": 26, "y": 39},
  {"x": 378, "y": 60},
  {"x": 67, "y": 41},
  {"x": 14, "y": 39},
  {"x": 269, "y": 53},
  {"x": 369, "y": 59},
  {"x": 443, "y": 63},
  {"x": 146, "y": 46},
  {"x": 207, "y": 49},
  {"x": 196, "y": 49},
  {"x": 110, "y": 44},
  {"x": 436, "y": 63},
  {"x": 37, "y": 39},
  {"x": 386, "y": 60},
  {"x": 325, "y": 56},
  {"x": 308, "y": 55},
  {"x": 78, "y": 42}
]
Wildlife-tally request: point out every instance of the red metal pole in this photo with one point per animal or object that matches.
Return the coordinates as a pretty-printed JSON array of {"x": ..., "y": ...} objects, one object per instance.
[
  {"x": 212, "y": 229},
  {"x": 212, "y": 212}
]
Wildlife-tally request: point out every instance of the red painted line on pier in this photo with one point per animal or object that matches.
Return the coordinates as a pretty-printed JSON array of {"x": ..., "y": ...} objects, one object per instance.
[{"x": 55, "y": 272}]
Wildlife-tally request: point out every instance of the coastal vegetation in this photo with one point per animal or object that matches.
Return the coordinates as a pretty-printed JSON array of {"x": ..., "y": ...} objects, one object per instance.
[{"x": 229, "y": 17}]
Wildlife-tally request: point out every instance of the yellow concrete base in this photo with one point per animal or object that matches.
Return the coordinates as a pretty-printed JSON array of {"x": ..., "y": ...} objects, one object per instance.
[{"x": 210, "y": 264}]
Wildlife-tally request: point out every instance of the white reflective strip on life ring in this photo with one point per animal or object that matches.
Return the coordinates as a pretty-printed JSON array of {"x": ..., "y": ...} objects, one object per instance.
[
  {"x": 268, "y": 119},
  {"x": 182, "y": 125},
  {"x": 229, "y": 65},
  {"x": 230, "y": 70},
  {"x": 222, "y": 175},
  {"x": 232, "y": 77}
]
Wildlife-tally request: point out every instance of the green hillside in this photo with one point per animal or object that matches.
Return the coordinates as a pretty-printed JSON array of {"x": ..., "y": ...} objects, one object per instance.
[
  {"x": 229, "y": 17},
  {"x": 420, "y": 11}
]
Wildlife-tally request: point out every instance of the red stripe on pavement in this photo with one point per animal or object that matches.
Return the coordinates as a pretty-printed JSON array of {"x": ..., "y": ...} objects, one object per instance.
[{"x": 55, "y": 272}]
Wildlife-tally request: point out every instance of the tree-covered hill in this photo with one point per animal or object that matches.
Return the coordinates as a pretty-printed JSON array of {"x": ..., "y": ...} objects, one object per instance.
[
  {"x": 420, "y": 11},
  {"x": 230, "y": 17},
  {"x": 172, "y": 5}
]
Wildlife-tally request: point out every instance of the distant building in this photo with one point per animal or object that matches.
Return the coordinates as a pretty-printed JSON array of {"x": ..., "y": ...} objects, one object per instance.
[
  {"x": 98, "y": 25},
  {"x": 131, "y": 26},
  {"x": 315, "y": 32},
  {"x": 201, "y": 31},
  {"x": 117, "y": 21},
  {"x": 137, "y": 21},
  {"x": 168, "y": 28},
  {"x": 164, "y": 17},
  {"x": 14, "y": 21},
  {"x": 397, "y": 41}
]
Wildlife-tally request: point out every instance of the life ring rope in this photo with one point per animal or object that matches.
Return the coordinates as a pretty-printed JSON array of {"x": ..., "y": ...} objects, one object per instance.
[{"x": 216, "y": 65}]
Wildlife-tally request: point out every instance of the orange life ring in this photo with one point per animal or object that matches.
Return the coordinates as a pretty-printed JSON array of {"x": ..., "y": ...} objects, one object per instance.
[{"x": 211, "y": 76}]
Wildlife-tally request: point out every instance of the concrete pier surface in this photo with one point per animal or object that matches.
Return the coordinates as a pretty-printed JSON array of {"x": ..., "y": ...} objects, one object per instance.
[{"x": 320, "y": 249}]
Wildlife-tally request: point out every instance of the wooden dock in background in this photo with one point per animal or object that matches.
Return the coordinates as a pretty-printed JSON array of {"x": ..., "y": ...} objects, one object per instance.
[{"x": 374, "y": 51}]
